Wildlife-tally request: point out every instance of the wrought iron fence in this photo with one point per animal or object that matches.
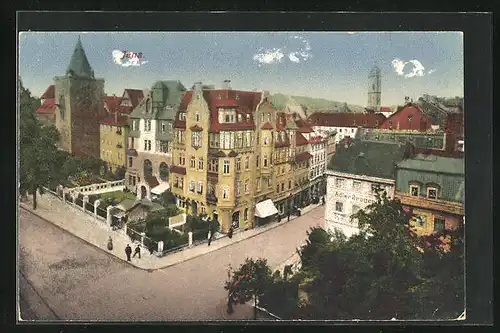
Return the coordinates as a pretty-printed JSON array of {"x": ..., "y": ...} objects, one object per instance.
[
  {"x": 67, "y": 196},
  {"x": 102, "y": 212},
  {"x": 79, "y": 202},
  {"x": 89, "y": 207}
]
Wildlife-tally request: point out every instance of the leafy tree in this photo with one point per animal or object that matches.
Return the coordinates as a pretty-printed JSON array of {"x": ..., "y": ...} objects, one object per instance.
[
  {"x": 39, "y": 155},
  {"x": 249, "y": 281},
  {"x": 317, "y": 242},
  {"x": 385, "y": 271}
]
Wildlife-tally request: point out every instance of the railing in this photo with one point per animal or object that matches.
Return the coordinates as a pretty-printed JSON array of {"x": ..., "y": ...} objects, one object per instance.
[{"x": 98, "y": 187}]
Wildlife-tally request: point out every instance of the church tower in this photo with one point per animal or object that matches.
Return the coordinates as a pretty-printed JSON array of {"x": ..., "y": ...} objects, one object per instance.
[
  {"x": 80, "y": 106},
  {"x": 374, "y": 89}
]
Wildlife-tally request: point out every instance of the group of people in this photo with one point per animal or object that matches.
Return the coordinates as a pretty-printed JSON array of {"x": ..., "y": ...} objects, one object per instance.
[{"x": 128, "y": 250}]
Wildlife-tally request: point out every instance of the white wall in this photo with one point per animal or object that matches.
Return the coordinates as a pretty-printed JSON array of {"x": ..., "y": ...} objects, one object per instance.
[
  {"x": 341, "y": 131},
  {"x": 350, "y": 196},
  {"x": 149, "y": 135}
]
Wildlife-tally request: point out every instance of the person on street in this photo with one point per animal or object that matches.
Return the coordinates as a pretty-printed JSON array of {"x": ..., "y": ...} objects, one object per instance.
[
  {"x": 137, "y": 252},
  {"x": 110, "y": 243},
  {"x": 288, "y": 215},
  {"x": 209, "y": 237},
  {"x": 128, "y": 252},
  {"x": 323, "y": 201}
]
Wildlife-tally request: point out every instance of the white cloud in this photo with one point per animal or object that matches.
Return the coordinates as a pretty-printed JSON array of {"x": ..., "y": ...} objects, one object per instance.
[
  {"x": 270, "y": 56},
  {"x": 417, "y": 68},
  {"x": 276, "y": 55}
]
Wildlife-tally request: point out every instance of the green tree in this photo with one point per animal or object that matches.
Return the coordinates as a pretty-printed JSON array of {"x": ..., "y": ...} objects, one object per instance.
[
  {"x": 385, "y": 271},
  {"x": 249, "y": 281},
  {"x": 39, "y": 159}
]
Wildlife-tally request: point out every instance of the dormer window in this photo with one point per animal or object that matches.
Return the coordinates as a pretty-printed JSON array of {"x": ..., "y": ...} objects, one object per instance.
[
  {"x": 227, "y": 118},
  {"x": 182, "y": 116},
  {"x": 240, "y": 118},
  {"x": 148, "y": 105},
  {"x": 414, "y": 190},
  {"x": 237, "y": 97},
  {"x": 219, "y": 96},
  {"x": 248, "y": 117}
]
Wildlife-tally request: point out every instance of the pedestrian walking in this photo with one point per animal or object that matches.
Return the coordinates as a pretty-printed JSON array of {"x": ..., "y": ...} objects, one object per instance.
[
  {"x": 137, "y": 252},
  {"x": 209, "y": 237},
  {"x": 299, "y": 211},
  {"x": 110, "y": 243},
  {"x": 288, "y": 215},
  {"x": 230, "y": 232},
  {"x": 128, "y": 252}
]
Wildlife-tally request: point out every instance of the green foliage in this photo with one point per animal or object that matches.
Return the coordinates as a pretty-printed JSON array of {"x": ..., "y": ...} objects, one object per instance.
[
  {"x": 385, "y": 271},
  {"x": 197, "y": 226},
  {"x": 156, "y": 228},
  {"x": 116, "y": 197},
  {"x": 250, "y": 280},
  {"x": 39, "y": 158}
]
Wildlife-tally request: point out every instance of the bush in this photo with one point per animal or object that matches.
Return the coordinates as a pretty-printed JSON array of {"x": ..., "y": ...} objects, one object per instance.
[{"x": 197, "y": 226}]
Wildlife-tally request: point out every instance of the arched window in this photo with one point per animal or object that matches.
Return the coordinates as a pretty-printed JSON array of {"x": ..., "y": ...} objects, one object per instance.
[
  {"x": 164, "y": 171},
  {"x": 148, "y": 168}
]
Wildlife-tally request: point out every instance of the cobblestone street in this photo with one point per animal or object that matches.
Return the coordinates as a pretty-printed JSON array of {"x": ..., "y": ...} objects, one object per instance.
[{"x": 77, "y": 281}]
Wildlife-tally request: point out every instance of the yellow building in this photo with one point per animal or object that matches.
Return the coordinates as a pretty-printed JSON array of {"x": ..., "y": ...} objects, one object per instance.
[
  {"x": 113, "y": 135},
  {"x": 224, "y": 144}
]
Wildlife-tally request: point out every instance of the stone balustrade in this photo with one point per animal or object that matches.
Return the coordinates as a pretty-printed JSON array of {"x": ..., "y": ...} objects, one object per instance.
[{"x": 89, "y": 189}]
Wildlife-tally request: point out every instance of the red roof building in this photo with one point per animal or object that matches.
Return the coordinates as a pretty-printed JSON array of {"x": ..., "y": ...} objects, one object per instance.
[
  {"x": 135, "y": 96},
  {"x": 410, "y": 118}
]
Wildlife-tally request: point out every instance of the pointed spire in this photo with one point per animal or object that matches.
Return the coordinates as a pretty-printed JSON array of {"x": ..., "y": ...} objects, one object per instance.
[{"x": 79, "y": 65}]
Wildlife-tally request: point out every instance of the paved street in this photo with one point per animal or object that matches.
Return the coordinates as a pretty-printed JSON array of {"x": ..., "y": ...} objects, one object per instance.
[{"x": 76, "y": 281}]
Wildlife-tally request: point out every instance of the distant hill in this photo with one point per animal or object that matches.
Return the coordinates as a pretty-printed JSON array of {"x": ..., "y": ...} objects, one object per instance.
[{"x": 312, "y": 104}]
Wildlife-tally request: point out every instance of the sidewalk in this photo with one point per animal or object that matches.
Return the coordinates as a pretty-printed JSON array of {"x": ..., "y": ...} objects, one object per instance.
[{"x": 96, "y": 232}]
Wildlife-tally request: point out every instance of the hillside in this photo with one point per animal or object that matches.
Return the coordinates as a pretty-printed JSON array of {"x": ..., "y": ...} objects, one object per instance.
[{"x": 281, "y": 100}]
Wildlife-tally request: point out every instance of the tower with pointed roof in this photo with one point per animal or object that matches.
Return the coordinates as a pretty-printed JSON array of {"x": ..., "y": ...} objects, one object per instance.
[
  {"x": 79, "y": 105},
  {"x": 374, "y": 88}
]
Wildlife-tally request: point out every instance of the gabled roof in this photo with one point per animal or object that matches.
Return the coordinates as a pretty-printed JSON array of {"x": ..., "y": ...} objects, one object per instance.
[
  {"x": 282, "y": 139},
  {"x": 267, "y": 126},
  {"x": 135, "y": 96},
  {"x": 367, "y": 158},
  {"x": 48, "y": 106},
  {"x": 346, "y": 119},
  {"x": 243, "y": 101},
  {"x": 49, "y": 93},
  {"x": 302, "y": 126},
  {"x": 79, "y": 65},
  {"x": 300, "y": 140},
  {"x": 112, "y": 103},
  {"x": 303, "y": 156}
]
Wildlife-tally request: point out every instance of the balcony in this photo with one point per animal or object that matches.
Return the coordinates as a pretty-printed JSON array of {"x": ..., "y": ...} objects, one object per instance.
[
  {"x": 211, "y": 197},
  {"x": 437, "y": 205}
]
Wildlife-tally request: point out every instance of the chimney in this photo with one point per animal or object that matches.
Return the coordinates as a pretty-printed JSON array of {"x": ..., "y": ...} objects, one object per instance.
[{"x": 226, "y": 85}]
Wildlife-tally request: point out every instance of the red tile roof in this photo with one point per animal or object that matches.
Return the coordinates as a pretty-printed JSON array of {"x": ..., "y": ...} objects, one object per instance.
[
  {"x": 303, "y": 127},
  {"x": 112, "y": 104},
  {"x": 196, "y": 128},
  {"x": 135, "y": 95},
  {"x": 115, "y": 121},
  {"x": 347, "y": 119},
  {"x": 48, "y": 106},
  {"x": 267, "y": 126},
  {"x": 300, "y": 140},
  {"x": 245, "y": 103},
  {"x": 49, "y": 93},
  {"x": 177, "y": 169},
  {"x": 303, "y": 156}
]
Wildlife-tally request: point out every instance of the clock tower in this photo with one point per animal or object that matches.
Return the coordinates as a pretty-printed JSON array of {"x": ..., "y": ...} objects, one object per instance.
[{"x": 79, "y": 106}]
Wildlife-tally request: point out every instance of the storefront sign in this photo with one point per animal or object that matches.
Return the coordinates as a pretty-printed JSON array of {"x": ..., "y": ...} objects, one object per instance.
[{"x": 354, "y": 197}]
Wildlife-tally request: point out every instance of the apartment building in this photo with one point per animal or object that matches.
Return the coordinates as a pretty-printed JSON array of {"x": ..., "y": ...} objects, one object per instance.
[{"x": 149, "y": 153}]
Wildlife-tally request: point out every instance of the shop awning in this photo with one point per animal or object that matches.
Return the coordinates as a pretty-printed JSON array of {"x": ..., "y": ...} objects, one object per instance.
[
  {"x": 160, "y": 188},
  {"x": 265, "y": 208}
]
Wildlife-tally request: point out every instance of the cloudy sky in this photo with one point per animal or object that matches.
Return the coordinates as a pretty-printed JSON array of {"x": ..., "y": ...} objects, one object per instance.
[{"x": 331, "y": 65}]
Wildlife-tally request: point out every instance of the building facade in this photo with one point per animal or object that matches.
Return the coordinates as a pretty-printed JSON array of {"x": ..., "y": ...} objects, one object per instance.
[
  {"x": 433, "y": 188},
  {"x": 356, "y": 174},
  {"x": 114, "y": 140},
  {"x": 79, "y": 106},
  {"x": 149, "y": 154}
]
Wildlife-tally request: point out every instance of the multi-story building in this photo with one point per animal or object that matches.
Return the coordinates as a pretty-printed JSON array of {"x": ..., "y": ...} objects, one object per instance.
[
  {"x": 358, "y": 171},
  {"x": 79, "y": 106},
  {"x": 114, "y": 138},
  {"x": 433, "y": 188},
  {"x": 344, "y": 123},
  {"x": 317, "y": 148},
  {"x": 149, "y": 153}
]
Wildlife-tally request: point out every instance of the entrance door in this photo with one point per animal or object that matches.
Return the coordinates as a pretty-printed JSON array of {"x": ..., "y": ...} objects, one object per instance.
[
  {"x": 144, "y": 192},
  {"x": 236, "y": 220},
  {"x": 194, "y": 208}
]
